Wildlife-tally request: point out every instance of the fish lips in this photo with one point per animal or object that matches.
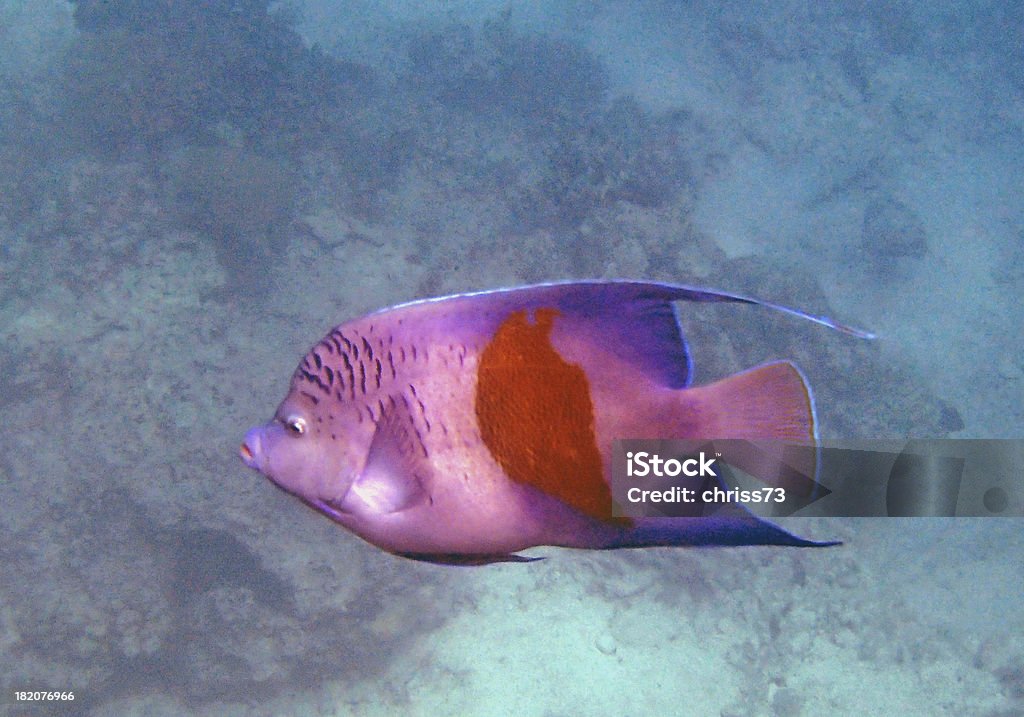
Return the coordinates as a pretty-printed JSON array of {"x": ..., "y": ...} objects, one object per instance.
[{"x": 251, "y": 451}]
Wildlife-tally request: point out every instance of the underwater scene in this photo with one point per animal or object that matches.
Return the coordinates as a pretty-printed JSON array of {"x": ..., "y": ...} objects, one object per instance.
[{"x": 207, "y": 512}]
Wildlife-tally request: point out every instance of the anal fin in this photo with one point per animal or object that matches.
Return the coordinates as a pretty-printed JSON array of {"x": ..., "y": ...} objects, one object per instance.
[{"x": 468, "y": 559}]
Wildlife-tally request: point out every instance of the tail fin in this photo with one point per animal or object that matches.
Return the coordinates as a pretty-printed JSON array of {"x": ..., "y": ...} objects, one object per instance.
[
  {"x": 771, "y": 402},
  {"x": 769, "y": 406},
  {"x": 771, "y": 410}
]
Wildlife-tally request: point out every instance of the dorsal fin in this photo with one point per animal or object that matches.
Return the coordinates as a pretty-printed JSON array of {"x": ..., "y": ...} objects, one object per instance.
[{"x": 637, "y": 319}]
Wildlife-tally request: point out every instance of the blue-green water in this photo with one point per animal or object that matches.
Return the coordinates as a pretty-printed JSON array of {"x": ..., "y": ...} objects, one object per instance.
[{"x": 192, "y": 194}]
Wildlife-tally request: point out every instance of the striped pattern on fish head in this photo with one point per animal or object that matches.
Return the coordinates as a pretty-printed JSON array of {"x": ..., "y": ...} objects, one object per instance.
[{"x": 318, "y": 440}]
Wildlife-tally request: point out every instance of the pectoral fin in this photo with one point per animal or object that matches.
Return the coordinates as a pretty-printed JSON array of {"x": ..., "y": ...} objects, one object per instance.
[{"x": 396, "y": 475}]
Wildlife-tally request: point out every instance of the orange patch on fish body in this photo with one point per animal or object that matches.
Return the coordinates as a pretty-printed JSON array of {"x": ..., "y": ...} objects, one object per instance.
[{"x": 536, "y": 415}]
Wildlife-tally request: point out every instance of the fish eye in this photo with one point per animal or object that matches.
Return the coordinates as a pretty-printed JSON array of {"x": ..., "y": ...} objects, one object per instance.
[{"x": 296, "y": 425}]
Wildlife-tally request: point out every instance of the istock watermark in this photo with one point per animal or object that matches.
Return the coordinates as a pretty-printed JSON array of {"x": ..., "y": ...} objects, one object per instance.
[
  {"x": 642, "y": 464},
  {"x": 938, "y": 477}
]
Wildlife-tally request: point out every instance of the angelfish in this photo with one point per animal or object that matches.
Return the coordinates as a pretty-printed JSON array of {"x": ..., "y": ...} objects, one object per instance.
[{"x": 466, "y": 428}]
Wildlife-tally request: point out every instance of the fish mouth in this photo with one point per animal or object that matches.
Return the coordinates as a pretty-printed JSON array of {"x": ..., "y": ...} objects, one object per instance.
[{"x": 249, "y": 451}]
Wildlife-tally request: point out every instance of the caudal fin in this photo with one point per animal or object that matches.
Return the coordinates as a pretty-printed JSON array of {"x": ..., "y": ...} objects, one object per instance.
[
  {"x": 764, "y": 420},
  {"x": 770, "y": 410},
  {"x": 770, "y": 402}
]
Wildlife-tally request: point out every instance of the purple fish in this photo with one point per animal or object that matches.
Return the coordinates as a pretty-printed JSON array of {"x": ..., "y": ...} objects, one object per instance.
[{"x": 466, "y": 428}]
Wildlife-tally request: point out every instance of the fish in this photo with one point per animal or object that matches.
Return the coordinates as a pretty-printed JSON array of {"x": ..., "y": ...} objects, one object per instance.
[{"x": 467, "y": 428}]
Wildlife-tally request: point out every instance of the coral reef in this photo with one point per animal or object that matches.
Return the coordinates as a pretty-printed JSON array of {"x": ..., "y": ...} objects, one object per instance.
[
  {"x": 153, "y": 75},
  {"x": 500, "y": 73},
  {"x": 241, "y": 200},
  {"x": 624, "y": 155},
  {"x": 28, "y": 148},
  {"x": 892, "y": 230},
  {"x": 573, "y": 151},
  {"x": 223, "y": 100}
]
